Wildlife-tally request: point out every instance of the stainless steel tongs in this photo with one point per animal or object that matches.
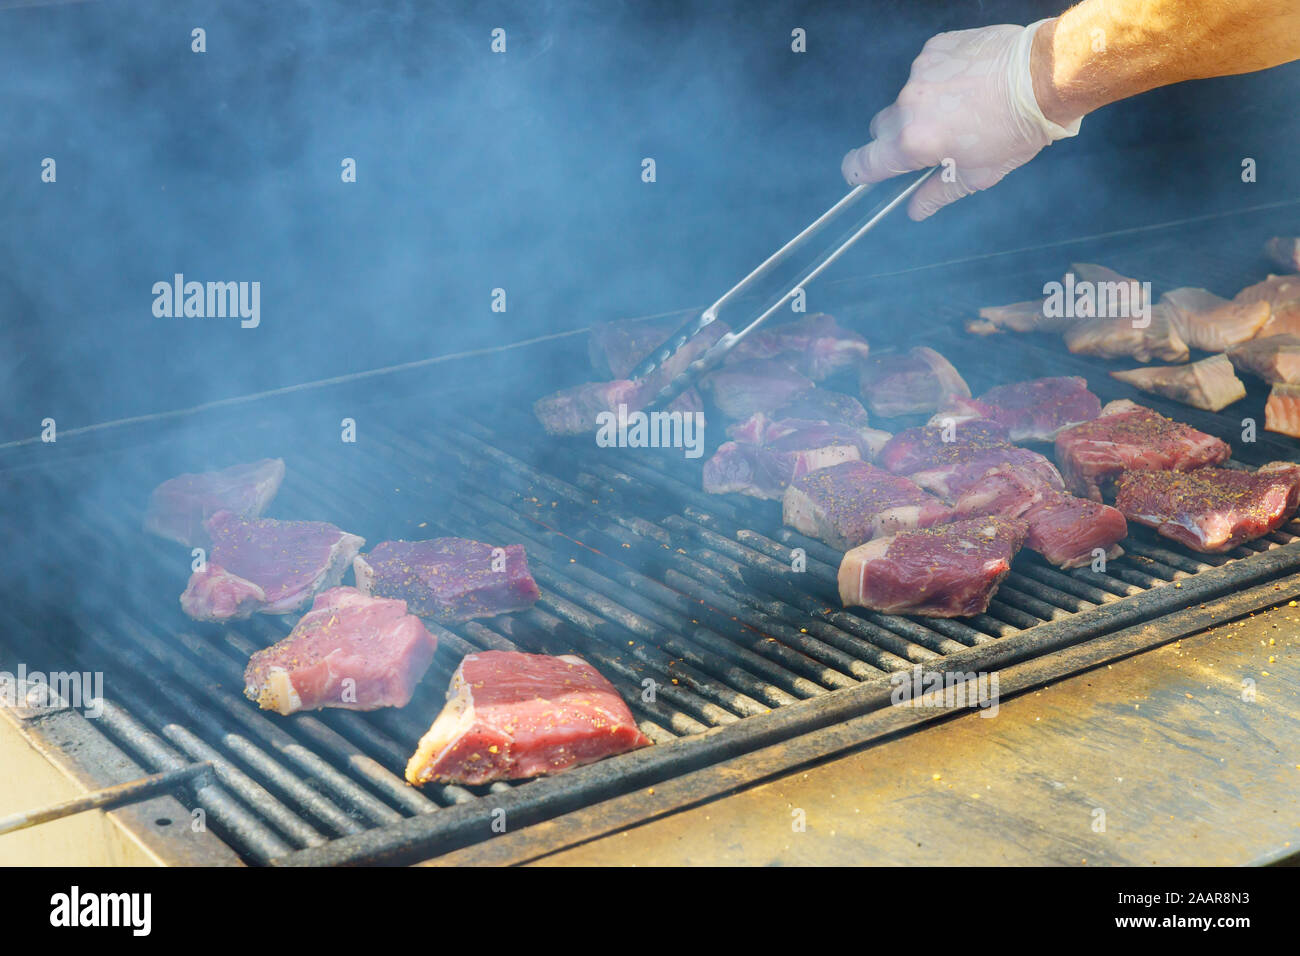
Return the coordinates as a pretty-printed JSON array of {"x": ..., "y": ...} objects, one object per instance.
[{"x": 779, "y": 279}]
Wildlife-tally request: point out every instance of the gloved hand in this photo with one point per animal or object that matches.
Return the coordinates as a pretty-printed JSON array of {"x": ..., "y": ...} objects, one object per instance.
[{"x": 969, "y": 98}]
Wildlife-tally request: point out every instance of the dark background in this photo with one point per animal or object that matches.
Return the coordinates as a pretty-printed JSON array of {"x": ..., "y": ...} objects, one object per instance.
[{"x": 478, "y": 170}]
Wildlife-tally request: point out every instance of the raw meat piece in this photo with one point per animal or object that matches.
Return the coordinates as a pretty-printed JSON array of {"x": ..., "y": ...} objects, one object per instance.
[
  {"x": 1066, "y": 530},
  {"x": 1282, "y": 293},
  {"x": 915, "y": 382},
  {"x": 573, "y": 411},
  {"x": 1285, "y": 251},
  {"x": 914, "y": 449},
  {"x": 968, "y": 463},
  {"x": 511, "y": 715},
  {"x": 951, "y": 570},
  {"x": 1210, "y": 383},
  {"x": 616, "y": 347},
  {"x": 769, "y": 455},
  {"x": 1282, "y": 410},
  {"x": 1030, "y": 411},
  {"x": 217, "y": 595},
  {"x": 1131, "y": 437},
  {"x": 825, "y": 405},
  {"x": 756, "y": 385},
  {"x": 349, "y": 651},
  {"x": 1018, "y": 317},
  {"x": 1062, "y": 528},
  {"x": 178, "y": 507},
  {"x": 1274, "y": 359},
  {"x": 815, "y": 345},
  {"x": 288, "y": 561},
  {"x": 450, "y": 579},
  {"x": 1099, "y": 275},
  {"x": 1117, "y": 337},
  {"x": 1205, "y": 321},
  {"x": 848, "y": 504},
  {"x": 1211, "y": 509}
]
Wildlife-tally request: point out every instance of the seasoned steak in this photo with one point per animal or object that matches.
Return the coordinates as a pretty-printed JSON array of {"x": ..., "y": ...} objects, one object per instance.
[
  {"x": 349, "y": 651},
  {"x": 915, "y": 382},
  {"x": 450, "y": 579},
  {"x": 951, "y": 570},
  {"x": 740, "y": 389},
  {"x": 1131, "y": 437},
  {"x": 511, "y": 715},
  {"x": 847, "y": 504},
  {"x": 914, "y": 449},
  {"x": 179, "y": 507},
  {"x": 815, "y": 345},
  {"x": 260, "y": 564},
  {"x": 1211, "y": 509},
  {"x": 1029, "y": 411}
]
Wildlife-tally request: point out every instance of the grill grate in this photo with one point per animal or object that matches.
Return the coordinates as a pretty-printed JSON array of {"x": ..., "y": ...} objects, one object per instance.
[{"x": 656, "y": 583}]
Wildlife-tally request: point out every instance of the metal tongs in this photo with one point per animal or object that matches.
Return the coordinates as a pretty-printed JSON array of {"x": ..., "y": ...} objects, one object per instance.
[{"x": 779, "y": 279}]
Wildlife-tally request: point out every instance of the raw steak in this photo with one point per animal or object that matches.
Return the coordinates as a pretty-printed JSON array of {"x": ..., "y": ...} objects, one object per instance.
[
  {"x": 178, "y": 507},
  {"x": 815, "y": 345},
  {"x": 1207, "y": 322},
  {"x": 778, "y": 453},
  {"x": 511, "y": 715},
  {"x": 349, "y": 651},
  {"x": 616, "y": 347},
  {"x": 1210, "y": 383},
  {"x": 848, "y": 504},
  {"x": 573, "y": 411},
  {"x": 450, "y": 579},
  {"x": 1285, "y": 251},
  {"x": 1211, "y": 509},
  {"x": 754, "y": 385},
  {"x": 1118, "y": 338},
  {"x": 913, "y": 449},
  {"x": 1030, "y": 411},
  {"x": 915, "y": 382},
  {"x": 1274, "y": 359},
  {"x": 1064, "y": 529},
  {"x": 825, "y": 405},
  {"x": 1131, "y": 437},
  {"x": 1282, "y": 410},
  {"x": 951, "y": 570},
  {"x": 288, "y": 562},
  {"x": 1282, "y": 293},
  {"x": 968, "y": 463}
]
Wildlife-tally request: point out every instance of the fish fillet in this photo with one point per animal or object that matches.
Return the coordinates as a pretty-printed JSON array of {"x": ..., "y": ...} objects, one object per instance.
[
  {"x": 1282, "y": 411},
  {"x": 1274, "y": 359},
  {"x": 1206, "y": 321},
  {"x": 1118, "y": 338},
  {"x": 1210, "y": 383},
  {"x": 1282, "y": 293}
]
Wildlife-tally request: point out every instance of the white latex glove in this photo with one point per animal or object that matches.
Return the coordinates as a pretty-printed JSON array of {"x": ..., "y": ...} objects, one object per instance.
[{"x": 969, "y": 99}]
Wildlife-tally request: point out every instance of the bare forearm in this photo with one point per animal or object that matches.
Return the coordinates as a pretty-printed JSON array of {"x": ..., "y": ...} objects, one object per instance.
[{"x": 1101, "y": 51}]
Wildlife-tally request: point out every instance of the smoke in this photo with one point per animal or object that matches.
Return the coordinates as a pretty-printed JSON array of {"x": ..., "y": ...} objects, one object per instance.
[{"x": 477, "y": 171}]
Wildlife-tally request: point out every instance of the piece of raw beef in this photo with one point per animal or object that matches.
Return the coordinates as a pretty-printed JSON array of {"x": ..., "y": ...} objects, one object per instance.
[
  {"x": 179, "y": 507},
  {"x": 848, "y": 504},
  {"x": 915, "y": 382},
  {"x": 1035, "y": 410},
  {"x": 1130, "y": 437},
  {"x": 349, "y": 651},
  {"x": 927, "y": 446},
  {"x": 511, "y": 715},
  {"x": 740, "y": 389},
  {"x": 451, "y": 579},
  {"x": 950, "y": 570},
  {"x": 768, "y": 455},
  {"x": 261, "y": 564},
  {"x": 1211, "y": 509},
  {"x": 815, "y": 345}
]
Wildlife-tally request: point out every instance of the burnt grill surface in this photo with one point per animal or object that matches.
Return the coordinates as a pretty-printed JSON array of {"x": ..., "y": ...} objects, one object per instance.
[{"x": 662, "y": 587}]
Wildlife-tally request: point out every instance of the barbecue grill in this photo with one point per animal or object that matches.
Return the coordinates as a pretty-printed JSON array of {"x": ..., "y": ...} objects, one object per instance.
[{"x": 737, "y": 666}]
